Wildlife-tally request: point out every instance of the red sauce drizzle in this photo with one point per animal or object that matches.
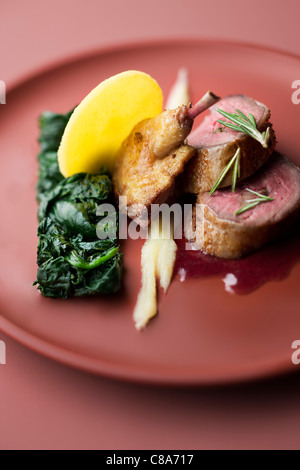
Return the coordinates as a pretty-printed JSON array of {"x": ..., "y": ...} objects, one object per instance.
[{"x": 272, "y": 263}]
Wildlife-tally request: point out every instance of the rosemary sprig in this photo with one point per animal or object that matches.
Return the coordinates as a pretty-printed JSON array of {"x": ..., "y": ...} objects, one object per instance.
[
  {"x": 261, "y": 196},
  {"x": 246, "y": 125},
  {"x": 253, "y": 202},
  {"x": 236, "y": 171}
]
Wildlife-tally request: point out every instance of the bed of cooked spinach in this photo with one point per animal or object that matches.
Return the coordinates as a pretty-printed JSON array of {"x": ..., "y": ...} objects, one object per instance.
[{"x": 72, "y": 261}]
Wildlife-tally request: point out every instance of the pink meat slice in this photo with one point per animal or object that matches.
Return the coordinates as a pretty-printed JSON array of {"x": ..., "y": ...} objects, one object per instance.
[
  {"x": 279, "y": 179},
  {"x": 216, "y": 144},
  {"x": 210, "y": 133}
]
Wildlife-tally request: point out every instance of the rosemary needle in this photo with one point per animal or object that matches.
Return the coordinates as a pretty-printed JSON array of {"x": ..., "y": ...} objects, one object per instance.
[
  {"x": 246, "y": 125},
  {"x": 254, "y": 202},
  {"x": 263, "y": 196},
  {"x": 247, "y": 207},
  {"x": 236, "y": 172},
  {"x": 235, "y": 159}
]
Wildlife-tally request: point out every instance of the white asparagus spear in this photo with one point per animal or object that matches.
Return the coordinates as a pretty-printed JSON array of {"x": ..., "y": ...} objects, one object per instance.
[
  {"x": 179, "y": 93},
  {"x": 157, "y": 261}
]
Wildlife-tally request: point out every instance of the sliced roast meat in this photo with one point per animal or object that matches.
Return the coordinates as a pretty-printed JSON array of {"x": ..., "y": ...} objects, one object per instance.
[
  {"x": 223, "y": 234},
  {"x": 152, "y": 156},
  {"x": 216, "y": 144}
]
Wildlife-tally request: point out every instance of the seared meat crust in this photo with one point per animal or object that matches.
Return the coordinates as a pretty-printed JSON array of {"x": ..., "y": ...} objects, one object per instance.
[{"x": 151, "y": 158}]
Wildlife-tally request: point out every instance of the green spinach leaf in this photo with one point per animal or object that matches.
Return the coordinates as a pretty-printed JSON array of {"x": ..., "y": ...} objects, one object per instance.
[{"x": 72, "y": 261}]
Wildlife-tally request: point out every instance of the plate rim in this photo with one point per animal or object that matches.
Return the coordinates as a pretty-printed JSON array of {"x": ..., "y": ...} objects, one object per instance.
[
  {"x": 101, "y": 367},
  {"x": 72, "y": 58}
]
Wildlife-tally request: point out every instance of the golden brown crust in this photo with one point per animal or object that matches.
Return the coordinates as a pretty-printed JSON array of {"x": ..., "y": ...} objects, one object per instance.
[{"x": 142, "y": 176}]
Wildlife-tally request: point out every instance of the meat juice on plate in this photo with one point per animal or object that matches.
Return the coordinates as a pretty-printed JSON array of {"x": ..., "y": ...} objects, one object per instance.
[{"x": 245, "y": 275}]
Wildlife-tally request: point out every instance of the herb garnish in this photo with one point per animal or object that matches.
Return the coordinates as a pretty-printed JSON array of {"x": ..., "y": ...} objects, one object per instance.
[
  {"x": 236, "y": 172},
  {"x": 254, "y": 202},
  {"x": 246, "y": 125}
]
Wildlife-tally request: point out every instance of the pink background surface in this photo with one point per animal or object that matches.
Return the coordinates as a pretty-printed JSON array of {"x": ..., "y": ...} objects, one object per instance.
[{"x": 47, "y": 405}]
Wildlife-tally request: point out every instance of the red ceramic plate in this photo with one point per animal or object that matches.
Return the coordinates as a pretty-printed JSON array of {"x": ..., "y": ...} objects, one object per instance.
[{"x": 203, "y": 334}]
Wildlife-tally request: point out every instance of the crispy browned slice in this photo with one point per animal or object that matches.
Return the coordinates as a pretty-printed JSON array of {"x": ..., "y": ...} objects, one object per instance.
[
  {"x": 223, "y": 234},
  {"x": 153, "y": 155},
  {"x": 216, "y": 145}
]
